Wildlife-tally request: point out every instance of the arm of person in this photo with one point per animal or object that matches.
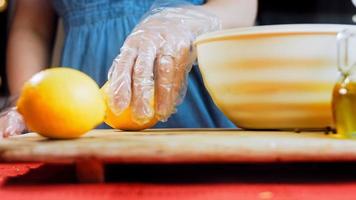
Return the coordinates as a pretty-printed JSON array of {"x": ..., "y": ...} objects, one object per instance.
[
  {"x": 233, "y": 13},
  {"x": 30, "y": 41}
]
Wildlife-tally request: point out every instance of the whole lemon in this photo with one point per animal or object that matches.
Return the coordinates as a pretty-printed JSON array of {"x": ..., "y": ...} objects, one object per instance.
[
  {"x": 124, "y": 121},
  {"x": 61, "y": 103}
]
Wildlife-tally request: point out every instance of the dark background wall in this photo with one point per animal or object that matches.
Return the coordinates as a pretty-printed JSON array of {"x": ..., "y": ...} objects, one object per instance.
[
  {"x": 305, "y": 11},
  {"x": 270, "y": 12}
]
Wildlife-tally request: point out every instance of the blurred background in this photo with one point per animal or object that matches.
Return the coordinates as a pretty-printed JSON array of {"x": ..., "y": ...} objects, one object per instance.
[
  {"x": 4, "y": 10},
  {"x": 306, "y": 11},
  {"x": 270, "y": 12}
]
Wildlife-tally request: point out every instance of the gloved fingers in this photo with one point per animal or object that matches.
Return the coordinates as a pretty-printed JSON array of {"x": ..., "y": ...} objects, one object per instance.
[
  {"x": 16, "y": 123},
  {"x": 3, "y": 126},
  {"x": 165, "y": 71},
  {"x": 182, "y": 88},
  {"x": 12, "y": 130},
  {"x": 131, "y": 79},
  {"x": 182, "y": 68},
  {"x": 119, "y": 90},
  {"x": 143, "y": 83},
  {"x": 11, "y": 123}
]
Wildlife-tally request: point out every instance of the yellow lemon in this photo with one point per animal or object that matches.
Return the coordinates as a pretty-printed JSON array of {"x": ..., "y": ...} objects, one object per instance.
[
  {"x": 124, "y": 120},
  {"x": 61, "y": 103}
]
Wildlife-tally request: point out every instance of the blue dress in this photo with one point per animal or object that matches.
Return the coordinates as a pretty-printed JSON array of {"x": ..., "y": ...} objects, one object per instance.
[{"x": 94, "y": 32}]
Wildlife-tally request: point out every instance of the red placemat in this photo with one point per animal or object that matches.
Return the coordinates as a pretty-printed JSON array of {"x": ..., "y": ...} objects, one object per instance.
[
  {"x": 23, "y": 181},
  {"x": 8, "y": 170},
  {"x": 172, "y": 192}
]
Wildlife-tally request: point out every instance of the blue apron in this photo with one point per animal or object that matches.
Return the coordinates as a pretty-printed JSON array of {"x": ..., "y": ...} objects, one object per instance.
[{"x": 94, "y": 32}]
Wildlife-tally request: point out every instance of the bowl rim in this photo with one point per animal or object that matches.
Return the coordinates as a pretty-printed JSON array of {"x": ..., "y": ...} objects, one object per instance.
[{"x": 281, "y": 29}]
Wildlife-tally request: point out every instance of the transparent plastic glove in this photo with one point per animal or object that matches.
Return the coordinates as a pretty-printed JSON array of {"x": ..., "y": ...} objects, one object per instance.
[
  {"x": 155, "y": 60},
  {"x": 11, "y": 123}
]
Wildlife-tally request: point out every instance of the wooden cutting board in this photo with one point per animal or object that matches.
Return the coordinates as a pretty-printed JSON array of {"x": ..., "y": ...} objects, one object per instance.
[{"x": 98, "y": 147}]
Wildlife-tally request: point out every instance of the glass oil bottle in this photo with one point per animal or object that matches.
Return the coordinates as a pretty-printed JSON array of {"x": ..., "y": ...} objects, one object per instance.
[{"x": 344, "y": 93}]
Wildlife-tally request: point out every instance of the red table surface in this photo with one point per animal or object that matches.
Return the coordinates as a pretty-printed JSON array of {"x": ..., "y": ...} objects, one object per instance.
[{"x": 38, "y": 181}]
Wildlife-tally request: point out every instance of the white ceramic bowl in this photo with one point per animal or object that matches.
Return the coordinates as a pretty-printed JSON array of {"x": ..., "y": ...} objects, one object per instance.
[{"x": 272, "y": 77}]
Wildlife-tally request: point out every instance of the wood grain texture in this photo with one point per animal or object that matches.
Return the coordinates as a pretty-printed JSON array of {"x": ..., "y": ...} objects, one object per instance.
[{"x": 177, "y": 146}]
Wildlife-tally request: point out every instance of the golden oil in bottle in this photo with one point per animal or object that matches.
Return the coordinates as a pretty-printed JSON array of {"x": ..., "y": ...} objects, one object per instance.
[{"x": 344, "y": 107}]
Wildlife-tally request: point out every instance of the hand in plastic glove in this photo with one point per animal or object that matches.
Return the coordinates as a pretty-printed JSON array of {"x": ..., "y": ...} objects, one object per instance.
[
  {"x": 155, "y": 60},
  {"x": 11, "y": 123}
]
